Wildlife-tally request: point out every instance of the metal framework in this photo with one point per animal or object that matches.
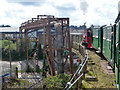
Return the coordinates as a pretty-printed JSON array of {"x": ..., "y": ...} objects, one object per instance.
[
  {"x": 46, "y": 22},
  {"x": 12, "y": 35}
]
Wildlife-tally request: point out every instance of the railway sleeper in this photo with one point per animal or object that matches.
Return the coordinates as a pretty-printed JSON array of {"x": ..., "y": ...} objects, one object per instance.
[
  {"x": 91, "y": 63},
  {"x": 90, "y": 60},
  {"x": 91, "y": 78}
]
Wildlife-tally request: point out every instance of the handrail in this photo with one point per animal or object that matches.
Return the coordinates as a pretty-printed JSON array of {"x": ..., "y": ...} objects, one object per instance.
[
  {"x": 79, "y": 70},
  {"x": 70, "y": 85}
]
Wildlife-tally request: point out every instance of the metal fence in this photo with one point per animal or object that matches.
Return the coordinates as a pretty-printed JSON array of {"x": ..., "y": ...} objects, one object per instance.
[
  {"x": 32, "y": 64},
  {"x": 82, "y": 68}
]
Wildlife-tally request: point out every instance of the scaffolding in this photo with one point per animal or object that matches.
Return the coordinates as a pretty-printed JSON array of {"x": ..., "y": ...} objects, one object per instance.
[{"x": 46, "y": 23}]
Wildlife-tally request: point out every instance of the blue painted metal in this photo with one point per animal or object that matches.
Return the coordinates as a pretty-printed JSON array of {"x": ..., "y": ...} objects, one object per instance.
[{"x": 5, "y": 75}]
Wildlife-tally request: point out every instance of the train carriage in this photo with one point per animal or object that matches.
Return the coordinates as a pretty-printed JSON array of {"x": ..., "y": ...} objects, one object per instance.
[
  {"x": 108, "y": 44},
  {"x": 106, "y": 39},
  {"x": 96, "y": 38},
  {"x": 103, "y": 41},
  {"x": 116, "y": 33},
  {"x": 117, "y": 52}
]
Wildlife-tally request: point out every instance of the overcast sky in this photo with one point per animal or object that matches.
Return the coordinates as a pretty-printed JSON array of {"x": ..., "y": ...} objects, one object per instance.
[{"x": 97, "y": 12}]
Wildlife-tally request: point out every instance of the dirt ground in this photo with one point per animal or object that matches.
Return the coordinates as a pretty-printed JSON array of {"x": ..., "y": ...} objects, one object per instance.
[{"x": 105, "y": 77}]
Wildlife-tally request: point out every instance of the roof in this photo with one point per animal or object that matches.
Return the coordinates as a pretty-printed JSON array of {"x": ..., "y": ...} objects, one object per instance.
[
  {"x": 9, "y": 29},
  {"x": 76, "y": 33}
]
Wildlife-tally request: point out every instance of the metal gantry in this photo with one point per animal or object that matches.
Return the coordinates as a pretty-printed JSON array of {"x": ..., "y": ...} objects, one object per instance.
[{"x": 46, "y": 23}]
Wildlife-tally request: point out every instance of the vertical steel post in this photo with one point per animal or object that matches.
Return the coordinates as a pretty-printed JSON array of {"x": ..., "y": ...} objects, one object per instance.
[
  {"x": 10, "y": 59},
  {"x": 19, "y": 32},
  {"x": 50, "y": 47},
  {"x": 17, "y": 72},
  {"x": 44, "y": 40},
  {"x": 71, "y": 41},
  {"x": 37, "y": 45},
  {"x": 101, "y": 38},
  {"x": 69, "y": 46},
  {"x": 44, "y": 43},
  {"x": 27, "y": 46},
  {"x": 114, "y": 41}
]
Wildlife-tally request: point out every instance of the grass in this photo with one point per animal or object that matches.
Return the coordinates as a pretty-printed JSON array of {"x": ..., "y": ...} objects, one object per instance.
[
  {"x": 104, "y": 80},
  {"x": 17, "y": 83}
]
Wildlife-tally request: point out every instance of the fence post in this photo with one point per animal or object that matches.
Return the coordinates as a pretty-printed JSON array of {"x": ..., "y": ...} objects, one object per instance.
[
  {"x": 17, "y": 72},
  {"x": 21, "y": 68},
  {"x": 84, "y": 71},
  {"x": 19, "y": 84},
  {"x": 76, "y": 84},
  {"x": 79, "y": 47},
  {"x": 3, "y": 82},
  {"x": 86, "y": 67},
  {"x": 80, "y": 82}
]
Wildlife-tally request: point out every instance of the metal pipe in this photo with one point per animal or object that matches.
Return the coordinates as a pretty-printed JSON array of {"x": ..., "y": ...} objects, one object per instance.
[{"x": 75, "y": 81}]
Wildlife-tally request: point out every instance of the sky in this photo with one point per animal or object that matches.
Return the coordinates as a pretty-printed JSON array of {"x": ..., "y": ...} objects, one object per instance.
[{"x": 96, "y": 12}]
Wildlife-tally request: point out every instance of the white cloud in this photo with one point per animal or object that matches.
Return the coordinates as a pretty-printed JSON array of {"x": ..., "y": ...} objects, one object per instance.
[
  {"x": 98, "y": 12},
  {"x": 102, "y": 11}
]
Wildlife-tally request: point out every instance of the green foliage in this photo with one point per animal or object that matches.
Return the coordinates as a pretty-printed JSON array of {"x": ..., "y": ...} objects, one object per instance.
[
  {"x": 58, "y": 81},
  {"x": 44, "y": 69},
  {"x": 21, "y": 48},
  {"x": 5, "y": 45},
  {"x": 17, "y": 50},
  {"x": 40, "y": 52}
]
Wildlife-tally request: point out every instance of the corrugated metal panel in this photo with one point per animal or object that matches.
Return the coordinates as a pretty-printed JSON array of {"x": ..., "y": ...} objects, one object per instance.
[
  {"x": 9, "y": 29},
  {"x": 76, "y": 33}
]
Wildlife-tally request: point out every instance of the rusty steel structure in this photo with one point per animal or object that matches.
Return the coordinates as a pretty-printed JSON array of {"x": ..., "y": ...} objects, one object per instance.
[{"x": 46, "y": 23}]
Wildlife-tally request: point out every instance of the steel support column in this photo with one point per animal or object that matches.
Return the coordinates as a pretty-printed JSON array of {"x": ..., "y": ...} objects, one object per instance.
[
  {"x": 69, "y": 46},
  {"x": 50, "y": 48}
]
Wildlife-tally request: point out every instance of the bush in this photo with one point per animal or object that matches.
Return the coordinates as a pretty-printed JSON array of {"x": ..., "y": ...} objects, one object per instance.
[{"x": 56, "y": 82}]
